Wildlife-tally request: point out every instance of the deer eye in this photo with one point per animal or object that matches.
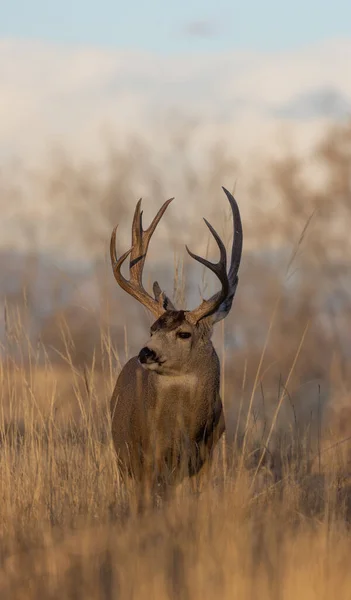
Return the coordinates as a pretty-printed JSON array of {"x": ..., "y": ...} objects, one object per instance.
[{"x": 183, "y": 334}]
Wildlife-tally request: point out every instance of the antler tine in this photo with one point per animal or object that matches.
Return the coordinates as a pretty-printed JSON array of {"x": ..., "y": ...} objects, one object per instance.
[
  {"x": 237, "y": 239},
  {"x": 141, "y": 240},
  {"x": 207, "y": 307},
  {"x": 137, "y": 227},
  {"x": 221, "y": 302},
  {"x": 158, "y": 217},
  {"x": 117, "y": 262},
  {"x": 220, "y": 267},
  {"x": 138, "y": 251}
]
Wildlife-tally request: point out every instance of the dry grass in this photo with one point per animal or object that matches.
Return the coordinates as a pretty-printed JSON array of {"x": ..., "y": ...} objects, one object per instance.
[
  {"x": 272, "y": 519},
  {"x": 69, "y": 528}
]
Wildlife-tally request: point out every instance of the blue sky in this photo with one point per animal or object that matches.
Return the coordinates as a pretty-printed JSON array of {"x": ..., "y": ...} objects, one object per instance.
[{"x": 171, "y": 27}]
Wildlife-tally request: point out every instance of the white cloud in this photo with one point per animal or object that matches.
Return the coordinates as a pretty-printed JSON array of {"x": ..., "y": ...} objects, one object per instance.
[{"x": 69, "y": 94}]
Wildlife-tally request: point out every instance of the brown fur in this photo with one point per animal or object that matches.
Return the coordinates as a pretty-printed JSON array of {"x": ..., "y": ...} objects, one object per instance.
[{"x": 165, "y": 427}]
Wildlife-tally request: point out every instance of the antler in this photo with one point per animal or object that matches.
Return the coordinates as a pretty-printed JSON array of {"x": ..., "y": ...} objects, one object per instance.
[
  {"x": 138, "y": 251},
  {"x": 220, "y": 303}
]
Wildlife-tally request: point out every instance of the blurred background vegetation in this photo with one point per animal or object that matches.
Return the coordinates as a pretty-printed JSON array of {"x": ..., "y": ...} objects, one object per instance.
[
  {"x": 297, "y": 250},
  {"x": 271, "y": 520}
]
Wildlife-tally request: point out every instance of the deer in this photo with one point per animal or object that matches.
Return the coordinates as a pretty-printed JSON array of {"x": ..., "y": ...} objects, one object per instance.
[{"x": 166, "y": 410}]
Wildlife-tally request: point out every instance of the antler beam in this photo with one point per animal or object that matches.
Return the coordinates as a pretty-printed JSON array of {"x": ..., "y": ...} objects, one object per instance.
[
  {"x": 138, "y": 251},
  {"x": 221, "y": 302}
]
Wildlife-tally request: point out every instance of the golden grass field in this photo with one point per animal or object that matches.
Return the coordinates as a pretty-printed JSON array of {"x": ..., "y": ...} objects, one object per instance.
[
  {"x": 69, "y": 529},
  {"x": 272, "y": 519}
]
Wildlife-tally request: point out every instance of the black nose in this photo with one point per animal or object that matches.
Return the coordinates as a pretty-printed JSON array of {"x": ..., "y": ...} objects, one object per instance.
[{"x": 147, "y": 355}]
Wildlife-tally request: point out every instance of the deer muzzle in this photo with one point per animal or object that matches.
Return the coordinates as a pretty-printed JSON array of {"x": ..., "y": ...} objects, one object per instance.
[{"x": 147, "y": 356}]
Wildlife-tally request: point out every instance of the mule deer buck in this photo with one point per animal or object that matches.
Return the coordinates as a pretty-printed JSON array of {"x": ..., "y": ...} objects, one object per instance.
[{"x": 167, "y": 413}]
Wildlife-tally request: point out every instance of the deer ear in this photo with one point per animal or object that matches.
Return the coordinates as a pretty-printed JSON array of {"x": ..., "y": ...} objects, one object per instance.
[{"x": 161, "y": 297}]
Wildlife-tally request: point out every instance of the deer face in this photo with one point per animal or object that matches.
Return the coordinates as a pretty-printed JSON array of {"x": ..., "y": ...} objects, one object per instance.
[{"x": 174, "y": 344}]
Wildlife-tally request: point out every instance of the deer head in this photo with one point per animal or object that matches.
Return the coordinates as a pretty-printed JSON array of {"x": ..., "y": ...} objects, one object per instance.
[{"x": 179, "y": 338}]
